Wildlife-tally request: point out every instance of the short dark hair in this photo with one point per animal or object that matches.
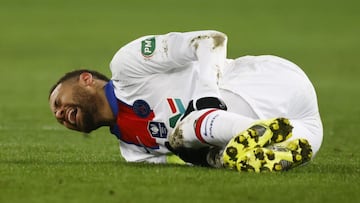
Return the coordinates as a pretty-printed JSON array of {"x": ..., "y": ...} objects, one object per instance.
[{"x": 76, "y": 74}]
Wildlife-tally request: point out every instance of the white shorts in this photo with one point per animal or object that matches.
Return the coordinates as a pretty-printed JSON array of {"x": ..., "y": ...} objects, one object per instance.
[{"x": 264, "y": 87}]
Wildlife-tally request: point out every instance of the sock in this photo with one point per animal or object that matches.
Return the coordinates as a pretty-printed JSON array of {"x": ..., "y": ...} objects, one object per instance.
[{"x": 217, "y": 127}]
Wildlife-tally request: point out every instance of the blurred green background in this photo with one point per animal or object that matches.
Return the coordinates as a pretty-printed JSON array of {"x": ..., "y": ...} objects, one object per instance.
[{"x": 41, "y": 161}]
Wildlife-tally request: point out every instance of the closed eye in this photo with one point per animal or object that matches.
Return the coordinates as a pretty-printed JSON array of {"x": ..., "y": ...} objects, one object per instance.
[{"x": 56, "y": 105}]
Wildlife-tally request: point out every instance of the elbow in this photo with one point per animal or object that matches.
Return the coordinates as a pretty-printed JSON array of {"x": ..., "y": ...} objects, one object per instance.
[
  {"x": 215, "y": 38},
  {"x": 219, "y": 39}
]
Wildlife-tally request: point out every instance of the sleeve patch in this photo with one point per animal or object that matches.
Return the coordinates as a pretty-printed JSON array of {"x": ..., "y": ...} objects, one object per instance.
[{"x": 148, "y": 47}]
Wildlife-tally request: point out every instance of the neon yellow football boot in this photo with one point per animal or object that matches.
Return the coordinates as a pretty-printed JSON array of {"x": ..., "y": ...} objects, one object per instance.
[
  {"x": 260, "y": 134},
  {"x": 278, "y": 157}
]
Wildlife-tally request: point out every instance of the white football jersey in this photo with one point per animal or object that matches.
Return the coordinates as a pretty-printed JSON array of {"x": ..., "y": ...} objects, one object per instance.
[{"x": 155, "y": 77}]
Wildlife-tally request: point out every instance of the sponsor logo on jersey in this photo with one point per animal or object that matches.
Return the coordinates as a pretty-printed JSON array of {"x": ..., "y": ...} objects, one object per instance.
[
  {"x": 177, "y": 109},
  {"x": 148, "y": 47}
]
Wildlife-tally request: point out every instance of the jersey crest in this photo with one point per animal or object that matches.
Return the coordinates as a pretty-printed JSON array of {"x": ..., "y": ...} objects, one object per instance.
[{"x": 141, "y": 108}]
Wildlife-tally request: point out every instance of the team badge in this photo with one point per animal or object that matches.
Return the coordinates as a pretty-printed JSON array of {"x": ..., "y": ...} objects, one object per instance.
[
  {"x": 141, "y": 108},
  {"x": 157, "y": 129},
  {"x": 148, "y": 47}
]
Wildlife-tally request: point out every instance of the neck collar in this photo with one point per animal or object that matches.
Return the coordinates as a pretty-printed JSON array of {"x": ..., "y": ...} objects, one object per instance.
[
  {"x": 110, "y": 95},
  {"x": 113, "y": 101}
]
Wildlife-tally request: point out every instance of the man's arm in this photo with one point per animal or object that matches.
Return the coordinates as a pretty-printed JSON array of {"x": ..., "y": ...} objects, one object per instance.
[
  {"x": 210, "y": 51},
  {"x": 161, "y": 53}
]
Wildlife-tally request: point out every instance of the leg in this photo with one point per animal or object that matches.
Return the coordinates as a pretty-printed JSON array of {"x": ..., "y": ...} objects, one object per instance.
[
  {"x": 208, "y": 127},
  {"x": 212, "y": 129}
]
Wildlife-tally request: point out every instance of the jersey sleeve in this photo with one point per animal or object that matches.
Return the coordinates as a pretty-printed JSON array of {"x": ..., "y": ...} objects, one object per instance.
[
  {"x": 133, "y": 153},
  {"x": 162, "y": 53}
]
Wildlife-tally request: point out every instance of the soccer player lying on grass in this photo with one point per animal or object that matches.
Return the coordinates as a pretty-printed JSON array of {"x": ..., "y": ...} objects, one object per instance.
[{"x": 167, "y": 95}]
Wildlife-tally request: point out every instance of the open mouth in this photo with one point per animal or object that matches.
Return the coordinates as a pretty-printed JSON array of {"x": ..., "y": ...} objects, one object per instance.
[{"x": 71, "y": 116}]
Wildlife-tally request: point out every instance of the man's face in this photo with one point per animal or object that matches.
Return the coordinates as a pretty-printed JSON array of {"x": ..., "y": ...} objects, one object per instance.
[{"x": 74, "y": 106}]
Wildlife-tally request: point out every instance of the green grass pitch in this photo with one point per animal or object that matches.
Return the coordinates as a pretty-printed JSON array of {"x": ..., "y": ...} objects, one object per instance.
[{"x": 40, "y": 161}]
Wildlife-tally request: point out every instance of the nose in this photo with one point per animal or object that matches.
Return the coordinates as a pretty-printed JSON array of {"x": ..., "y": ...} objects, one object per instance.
[{"x": 60, "y": 113}]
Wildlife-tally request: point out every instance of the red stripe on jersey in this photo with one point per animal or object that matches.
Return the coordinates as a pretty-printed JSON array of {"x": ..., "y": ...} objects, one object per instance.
[
  {"x": 172, "y": 105},
  {"x": 198, "y": 125},
  {"x": 134, "y": 129}
]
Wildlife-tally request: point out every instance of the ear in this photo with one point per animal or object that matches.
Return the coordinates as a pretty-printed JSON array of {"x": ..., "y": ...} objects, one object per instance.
[{"x": 86, "y": 79}]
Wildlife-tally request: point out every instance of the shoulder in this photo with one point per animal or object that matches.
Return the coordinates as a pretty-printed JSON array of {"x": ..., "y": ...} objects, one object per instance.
[{"x": 128, "y": 56}]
